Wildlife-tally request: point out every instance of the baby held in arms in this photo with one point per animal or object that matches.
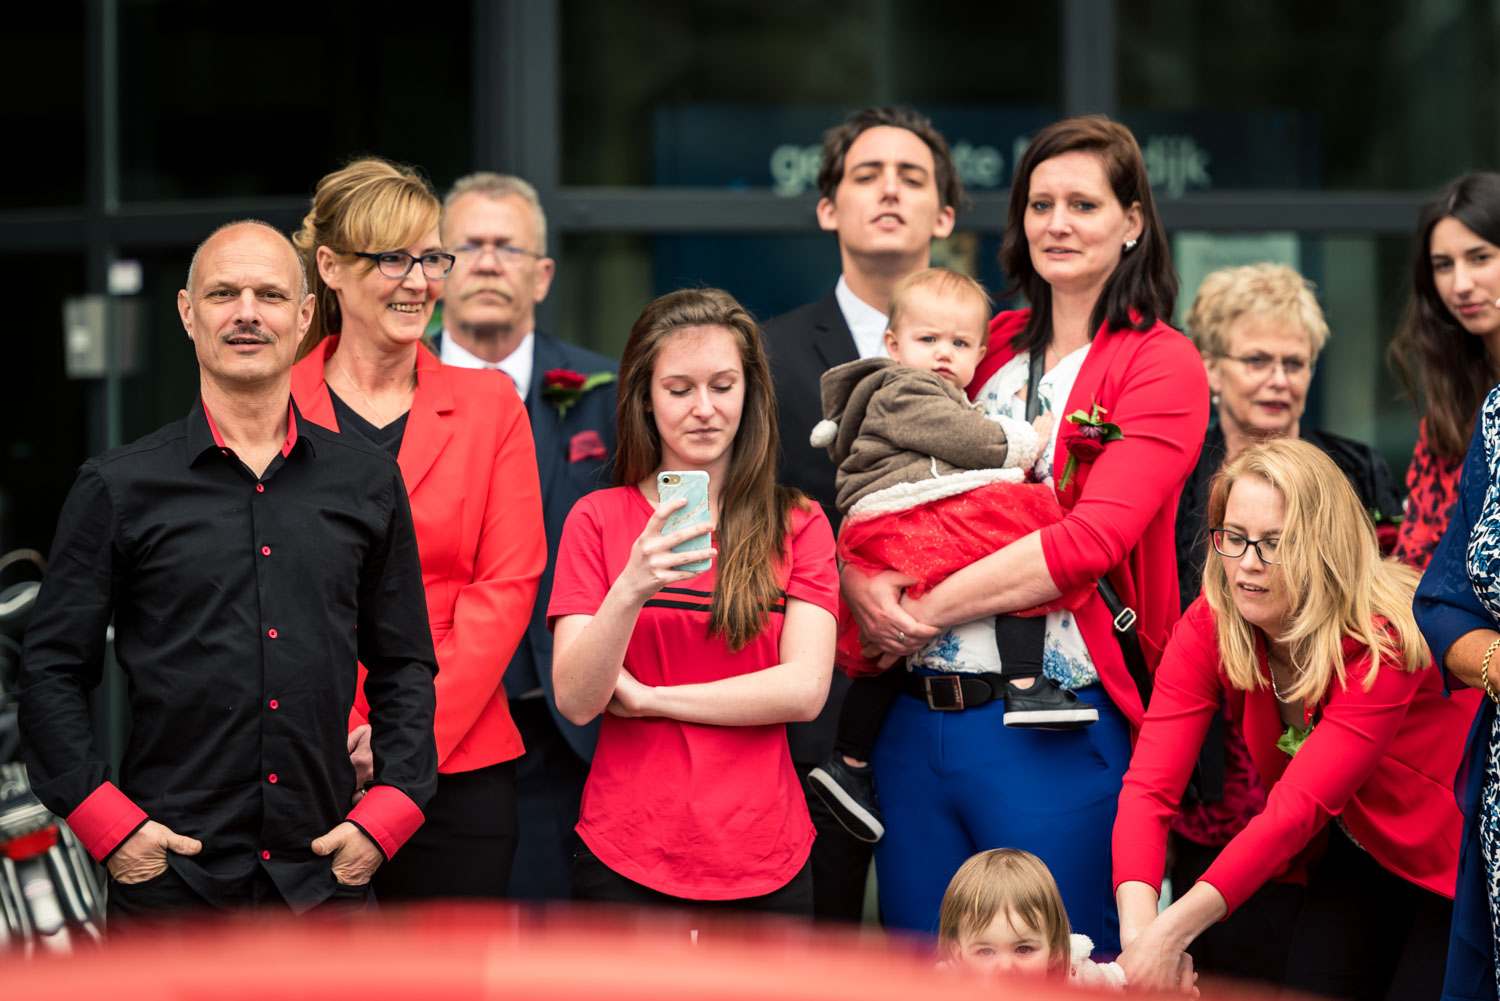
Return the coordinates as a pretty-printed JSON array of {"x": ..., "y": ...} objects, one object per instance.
[{"x": 927, "y": 484}]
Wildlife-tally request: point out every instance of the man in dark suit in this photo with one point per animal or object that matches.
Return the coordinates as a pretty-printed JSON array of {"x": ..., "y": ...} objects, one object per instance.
[
  {"x": 494, "y": 226},
  {"x": 889, "y": 188}
]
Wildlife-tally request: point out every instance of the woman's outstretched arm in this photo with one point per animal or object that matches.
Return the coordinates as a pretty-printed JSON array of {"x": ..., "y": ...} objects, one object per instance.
[{"x": 1152, "y": 959}]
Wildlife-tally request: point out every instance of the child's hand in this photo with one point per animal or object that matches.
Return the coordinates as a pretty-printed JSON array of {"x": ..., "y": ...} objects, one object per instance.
[
  {"x": 1187, "y": 977},
  {"x": 1043, "y": 426}
]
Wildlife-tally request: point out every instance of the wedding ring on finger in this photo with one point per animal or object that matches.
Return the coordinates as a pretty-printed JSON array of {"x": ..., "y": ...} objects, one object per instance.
[{"x": 900, "y": 636}]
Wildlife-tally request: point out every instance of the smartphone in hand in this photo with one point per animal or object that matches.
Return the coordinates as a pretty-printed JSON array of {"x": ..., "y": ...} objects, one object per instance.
[{"x": 692, "y": 484}]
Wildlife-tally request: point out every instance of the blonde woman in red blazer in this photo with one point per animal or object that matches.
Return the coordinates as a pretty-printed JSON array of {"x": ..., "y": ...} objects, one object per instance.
[
  {"x": 1310, "y": 636},
  {"x": 1085, "y": 246},
  {"x": 463, "y": 441}
]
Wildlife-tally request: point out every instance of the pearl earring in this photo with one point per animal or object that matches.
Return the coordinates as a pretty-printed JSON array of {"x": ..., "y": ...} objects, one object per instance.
[{"x": 1130, "y": 245}]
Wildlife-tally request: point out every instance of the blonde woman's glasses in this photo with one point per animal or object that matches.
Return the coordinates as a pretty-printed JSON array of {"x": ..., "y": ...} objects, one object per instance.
[
  {"x": 1233, "y": 545},
  {"x": 398, "y": 263}
]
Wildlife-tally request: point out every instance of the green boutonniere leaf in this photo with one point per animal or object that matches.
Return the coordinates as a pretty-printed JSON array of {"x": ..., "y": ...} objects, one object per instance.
[{"x": 1291, "y": 741}]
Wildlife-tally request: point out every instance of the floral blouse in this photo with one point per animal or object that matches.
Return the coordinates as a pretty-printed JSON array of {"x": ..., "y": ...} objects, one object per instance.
[
  {"x": 970, "y": 647},
  {"x": 1432, "y": 490}
]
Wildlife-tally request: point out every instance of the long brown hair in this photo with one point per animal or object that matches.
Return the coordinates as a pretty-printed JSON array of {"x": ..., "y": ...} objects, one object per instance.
[
  {"x": 1143, "y": 287},
  {"x": 1433, "y": 352},
  {"x": 754, "y": 510},
  {"x": 371, "y": 205},
  {"x": 1336, "y": 581}
]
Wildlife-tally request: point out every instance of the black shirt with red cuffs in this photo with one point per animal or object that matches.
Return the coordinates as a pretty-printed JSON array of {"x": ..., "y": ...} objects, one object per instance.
[{"x": 241, "y": 605}]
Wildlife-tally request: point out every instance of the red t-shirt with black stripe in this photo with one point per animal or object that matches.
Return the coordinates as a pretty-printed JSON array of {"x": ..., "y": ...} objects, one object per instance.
[{"x": 696, "y": 811}]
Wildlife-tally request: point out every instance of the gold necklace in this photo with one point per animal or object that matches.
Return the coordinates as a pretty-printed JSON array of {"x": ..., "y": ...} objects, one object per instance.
[
  {"x": 368, "y": 402},
  {"x": 1271, "y": 670},
  {"x": 1274, "y": 690}
]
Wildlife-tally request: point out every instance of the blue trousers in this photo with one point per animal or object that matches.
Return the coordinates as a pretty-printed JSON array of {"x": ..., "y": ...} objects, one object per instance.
[{"x": 955, "y": 783}]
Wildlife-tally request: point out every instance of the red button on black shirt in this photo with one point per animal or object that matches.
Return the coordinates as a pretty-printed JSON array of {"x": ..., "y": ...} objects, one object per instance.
[
  {"x": 265, "y": 550},
  {"x": 271, "y": 633},
  {"x": 272, "y": 778},
  {"x": 195, "y": 559},
  {"x": 273, "y": 703}
]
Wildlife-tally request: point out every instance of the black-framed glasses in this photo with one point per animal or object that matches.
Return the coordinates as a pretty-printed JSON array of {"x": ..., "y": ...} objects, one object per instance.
[
  {"x": 1261, "y": 364},
  {"x": 509, "y": 253},
  {"x": 398, "y": 263},
  {"x": 1233, "y": 545}
]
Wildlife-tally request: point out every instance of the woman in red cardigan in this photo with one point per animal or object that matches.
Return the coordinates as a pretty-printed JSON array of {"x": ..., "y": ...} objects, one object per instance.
[
  {"x": 1310, "y": 636},
  {"x": 463, "y": 441},
  {"x": 1085, "y": 246}
]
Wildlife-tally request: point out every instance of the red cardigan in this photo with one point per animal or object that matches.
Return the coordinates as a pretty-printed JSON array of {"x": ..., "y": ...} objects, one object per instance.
[
  {"x": 1384, "y": 760},
  {"x": 470, "y": 470},
  {"x": 1121, "y": 509}
]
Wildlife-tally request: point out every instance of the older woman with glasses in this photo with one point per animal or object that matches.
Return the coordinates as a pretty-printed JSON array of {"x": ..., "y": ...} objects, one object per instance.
[
  {"x": 1260, "y": 332},
  {"x": 463, "y": 442},
  {"x": 1307, "y": 633}
]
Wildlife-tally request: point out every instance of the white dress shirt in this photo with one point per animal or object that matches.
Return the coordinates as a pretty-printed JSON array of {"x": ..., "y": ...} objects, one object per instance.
[
  {"x": 866, "y": 323},
  {"x": 517, "y": 364}
]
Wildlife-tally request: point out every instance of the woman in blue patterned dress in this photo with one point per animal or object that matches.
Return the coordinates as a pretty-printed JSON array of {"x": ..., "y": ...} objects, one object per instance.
[{"x": 1458, "y": 609}]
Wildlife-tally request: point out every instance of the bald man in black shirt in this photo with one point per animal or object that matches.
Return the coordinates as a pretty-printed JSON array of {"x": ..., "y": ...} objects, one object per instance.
[{"x": 248, "y": 559}]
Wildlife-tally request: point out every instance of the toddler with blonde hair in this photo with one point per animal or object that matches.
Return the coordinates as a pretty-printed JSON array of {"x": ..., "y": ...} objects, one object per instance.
[{"x": 1002, "y": 915}]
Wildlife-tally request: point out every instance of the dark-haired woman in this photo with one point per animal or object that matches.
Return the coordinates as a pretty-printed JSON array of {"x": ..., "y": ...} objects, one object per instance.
[
  {"x": 1086, "y": 247},
  {"x": 692, "y": 795},
  {"x": 1448, "y": 347}
]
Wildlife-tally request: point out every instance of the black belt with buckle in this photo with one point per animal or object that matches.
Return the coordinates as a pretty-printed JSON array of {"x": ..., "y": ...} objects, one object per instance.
[{"x": 952, "y": 692}]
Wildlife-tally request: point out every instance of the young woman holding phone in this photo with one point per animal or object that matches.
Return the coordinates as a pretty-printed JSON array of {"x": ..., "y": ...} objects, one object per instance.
[{"x": 692, "y": 795}]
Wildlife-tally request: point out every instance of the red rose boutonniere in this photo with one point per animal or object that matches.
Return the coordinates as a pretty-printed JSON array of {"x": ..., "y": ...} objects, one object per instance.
[
  {"x": 563, "y": 388},
  {"x": 1093, "y": 434}
]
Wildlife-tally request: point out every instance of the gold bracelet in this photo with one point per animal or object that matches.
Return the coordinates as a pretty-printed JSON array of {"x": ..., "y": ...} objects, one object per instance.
[{"x": 1484, "y": 673}]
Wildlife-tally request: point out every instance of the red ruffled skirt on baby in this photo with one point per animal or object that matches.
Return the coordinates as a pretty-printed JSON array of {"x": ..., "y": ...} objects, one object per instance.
[{"x": 929, "y": 541}]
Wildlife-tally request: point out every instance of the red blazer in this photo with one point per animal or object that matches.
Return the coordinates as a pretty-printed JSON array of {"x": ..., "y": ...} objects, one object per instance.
[
  {"x": 1384, "y": 760},
  {"x": 1121, "y": 508},
  {"x": 470, "y": 470}
]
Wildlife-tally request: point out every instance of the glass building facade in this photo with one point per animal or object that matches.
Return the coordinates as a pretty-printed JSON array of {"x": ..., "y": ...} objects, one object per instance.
[{"x": 675, "y": 142}]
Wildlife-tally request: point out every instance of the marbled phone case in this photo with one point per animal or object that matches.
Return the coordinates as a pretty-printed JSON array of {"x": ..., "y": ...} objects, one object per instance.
[{"x": 693, "y": 485}]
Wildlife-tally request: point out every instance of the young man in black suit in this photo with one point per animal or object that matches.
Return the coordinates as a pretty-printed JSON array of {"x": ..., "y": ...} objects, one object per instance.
[
  {"x": 494, "y": 226},
  {"x": 889, "y": 188}
]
